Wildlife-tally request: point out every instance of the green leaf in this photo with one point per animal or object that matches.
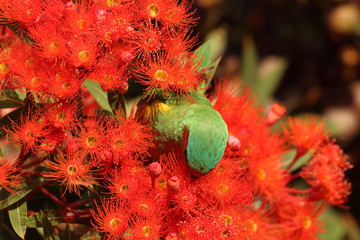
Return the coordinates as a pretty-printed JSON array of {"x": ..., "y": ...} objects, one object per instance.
[
  {"x": 273, "y": 68},
  {"x": 17, "y": 215},
  {"x": 35, "y": 221},
  {"x": 352, "y": 227},
  {"x": 6, "y": 232},
  {"x": 91, "y": 235},
  {"x": 203, "y": 54},
  {"x": 68, "y": 233},
  {"x": 9, "y": 99},
  {"x": 249, "y": 61},
  {"x": 7, "y": 198},
  {"x": 49, "y": 232},
  {"x": 333, "y": 225},
  {"x": 12, "y": 116},
  {"x": 210, "y": 74},
  {"x": 12, "y": 151},
  {"x": 20, "y": 94},
  {"x": 18, "y": 29},
  {"x": 289, "y": 156},
  {"x": 117, "y": 102},
  {"x": 218, "y": 38},
  {"x": 99, "y": 94}
]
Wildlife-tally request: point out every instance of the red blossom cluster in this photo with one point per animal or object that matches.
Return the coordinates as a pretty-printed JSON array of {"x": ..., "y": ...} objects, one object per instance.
[{"x": 55, "y": 45}]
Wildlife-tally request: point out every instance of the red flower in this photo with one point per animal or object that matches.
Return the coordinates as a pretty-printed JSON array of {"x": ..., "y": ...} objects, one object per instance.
[
  {"x": 325, "y": 173},
  {"x": 91, "y": 138},
  {"x": 111, "y": 218},
  {"x": 305, "y": 133},
  {"x": 128, "y": 138},
  {"x": 169, "y": 12},
  {"x": 170, "y": 73},
  {"x": 29, "y": 132},
  {"x": 9, "y": 178},
  {"x": 72, "y": 170}
]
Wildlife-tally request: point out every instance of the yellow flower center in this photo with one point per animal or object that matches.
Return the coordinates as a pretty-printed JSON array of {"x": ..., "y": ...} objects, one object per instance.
[
  {"x": 251, "y": 226},
  {"x": 61, "y": 116},
  {"x": 84, "y": 56},
  {"x": 81, "y": 24},
  {"x": 35, "y": 81},
  {"x": 153, "y": 10},
  {"x": 114, "y": 223},
  {"x": 161, "y": 75},
  {"x": 112, "y": 3},
  {"x": 118, "y": 144},
  {"x": 261, "y": 174},
  {"x": 66, "y": 85},
  {"x": 306, "y": 222},
  {"x": 143, "y": 206},
  {"x": 147, "y": 230},
  {"x": 72, "y": 169},
  {"x": 30, "y": 62},
  {"x": 162, "y": 183},
  {"x": 124, "y": 188},
  {"x": 222, "y": 188},
  {"x": 227, "y": 219},
  {"x": 54, "y": 47},
  {"x": 91, "y": 141},
  {"x": 4, "y": 68},
  {"x": 29, "y": 135}
]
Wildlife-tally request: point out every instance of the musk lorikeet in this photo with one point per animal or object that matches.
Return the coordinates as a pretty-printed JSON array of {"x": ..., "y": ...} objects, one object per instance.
[{"x": 187, "y": 124}]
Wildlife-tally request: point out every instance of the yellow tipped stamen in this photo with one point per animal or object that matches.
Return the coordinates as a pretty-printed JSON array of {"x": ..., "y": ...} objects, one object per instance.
[{"x": 153, "y": 10}]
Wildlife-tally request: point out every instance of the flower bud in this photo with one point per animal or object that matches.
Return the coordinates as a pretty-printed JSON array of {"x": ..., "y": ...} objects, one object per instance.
[
  {"x": 155, "y": 169},
  {"x": 275, "y": 113},
  {"x": 127, "y": 56},
  {"x": 124, "y": 87},
  {"x": 174, "y": 183},
  {"x": 234, "y": 143},
  {"x": 172, "y": 236}
]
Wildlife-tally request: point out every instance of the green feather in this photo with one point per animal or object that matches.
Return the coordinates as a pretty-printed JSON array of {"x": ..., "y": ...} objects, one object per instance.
[{"x": 170, "y": 117}]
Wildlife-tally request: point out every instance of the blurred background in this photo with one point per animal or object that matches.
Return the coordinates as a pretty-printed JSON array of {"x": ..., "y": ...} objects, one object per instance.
[{"x": 303, "y": 54}]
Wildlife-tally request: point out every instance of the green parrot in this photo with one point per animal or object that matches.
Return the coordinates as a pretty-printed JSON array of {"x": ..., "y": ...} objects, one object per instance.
[{"x": 192, "y": 126}]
